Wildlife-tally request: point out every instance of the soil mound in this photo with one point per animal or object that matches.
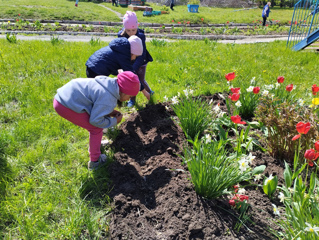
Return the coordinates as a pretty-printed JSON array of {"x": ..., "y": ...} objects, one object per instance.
[{"x": 153, "y": 196}]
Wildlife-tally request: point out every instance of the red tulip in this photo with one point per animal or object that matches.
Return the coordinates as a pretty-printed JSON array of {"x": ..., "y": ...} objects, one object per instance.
[
  {"x": 317, "y": 146},
  {"x": 296, "y": 137},
  {"x": 311, "y": 155},
  {"x": 237, "y": 119},
  {"x": 230, "y": 76},
  {"x": 235, "y": 188},
  {"x": 188, "y": 22},
  {"x": 280, "y": 79},
  {"x": 315, "y": 89},
  {"x": 242, "y": 197},
  {"x": 234, "y": 97},
  {"x": 303, "y": 128},
  {"x": 290, "y": 87},
  {"x": 202, "y": 19},
  {"x": 173, "y": 20},
  {"x": 232, "y": 203},
  {"x": 235, "y": 90},
  {"x": 256, "y": 90},
  {"x": 227, "y": 22},
  {"x": 179, "y": 22},
  {"x": 19, "y": 14}
]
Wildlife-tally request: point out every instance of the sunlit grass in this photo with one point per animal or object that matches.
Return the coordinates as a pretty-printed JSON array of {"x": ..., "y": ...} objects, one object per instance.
[{"x": 94, "y": 11}]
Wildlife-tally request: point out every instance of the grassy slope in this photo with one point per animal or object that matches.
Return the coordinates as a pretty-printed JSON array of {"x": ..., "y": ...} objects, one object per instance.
[{"x": 92, "y": 11}]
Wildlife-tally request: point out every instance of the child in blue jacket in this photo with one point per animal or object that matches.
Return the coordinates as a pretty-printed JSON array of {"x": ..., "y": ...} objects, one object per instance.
[
  {"x": 90, "y": 102},
  {"x": 265, "y": 12},
  {"x": 131, "y": 28},
  {"x": 118, "y": 55}
]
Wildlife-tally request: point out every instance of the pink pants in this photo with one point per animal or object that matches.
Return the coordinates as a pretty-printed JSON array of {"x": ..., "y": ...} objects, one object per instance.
[{"x": 82, "y": 120}]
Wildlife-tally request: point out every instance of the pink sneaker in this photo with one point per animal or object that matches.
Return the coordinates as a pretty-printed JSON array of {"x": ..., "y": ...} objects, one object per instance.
[{"x": 76, "y": 4}]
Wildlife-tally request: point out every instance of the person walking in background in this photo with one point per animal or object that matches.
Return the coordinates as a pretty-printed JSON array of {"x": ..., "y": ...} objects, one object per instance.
[
  {"x": 90, "y": 102},
  {"x": 265, "y": 12},
  {"x": 130, "y": 29},
  {"x": 172, "y": 5},
  {"x": 114, "y": 57},
  {"x": 76, "y": 3},
  {"x": 114, "y": 3}
]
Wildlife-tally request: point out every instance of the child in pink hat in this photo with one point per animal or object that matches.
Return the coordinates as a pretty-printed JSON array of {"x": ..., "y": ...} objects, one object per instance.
[
  {"x": 90, "y": 103},
  {"x": 130, "y": 24}
]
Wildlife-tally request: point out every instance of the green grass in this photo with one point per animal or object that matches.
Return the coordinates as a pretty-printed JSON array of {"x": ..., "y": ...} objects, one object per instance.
[
  {"x": 46, "y": 189},
  {"x": 94, "y": 11}
]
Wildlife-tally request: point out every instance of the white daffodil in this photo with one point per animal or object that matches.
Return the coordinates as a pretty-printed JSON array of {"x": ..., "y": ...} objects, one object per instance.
[
  {"x": 211, "y": 101},
  {"x": 265, "y": 93},
  {"x": 275, "y": 209},
  {"x": 191, "y": 91},
  {"x": 252, "y": 81},
  {"x": 250, "y": 158},
  {"x": 281, "y": 197},
  {"x": 291, "y": 190},
  {"x": 312, "y": 229},
  {"x": 178, "y": 94},
  {"x": 167, "y": 108},
  {"x": 185, "y": 92},
  {"x": 208, "y": 138},
  {"x": 277, "y": 85},
  {"x": 231, "y": 86},
  {"x": 238, "y": 104},
  {"x": 221, "y": 114},
  {"x": 175, "y": 100},
  {"x": 301, "y": 102},
  {"x": 165, "y": 98},
  {"x": 243, "y": 164},
  {"x": 269, "y": 179},
  {"x": 258, "y": 177},
  {"x": 241, "y": 191},
  {"x": 269, "y": 87},
  {"x": 272, "y": 96},
  {"x": 250, "y": 89},
  {"x": 216, "y": 109}
]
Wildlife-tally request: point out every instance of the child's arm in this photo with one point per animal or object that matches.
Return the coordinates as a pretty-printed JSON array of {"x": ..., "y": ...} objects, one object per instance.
[{"x": 146, "y": 94}]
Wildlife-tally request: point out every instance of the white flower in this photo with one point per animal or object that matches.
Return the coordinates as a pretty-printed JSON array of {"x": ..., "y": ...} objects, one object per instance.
[
  {"x": 221, "y": 114},
  {"x": 231, "y": 86},
  {"x": 191, "y": 91},
  {"x": 185, "y": 92},
  {"x": 258, "y": 177},
  {"x": 179, "y": 94},
  {"x": 277, "y": 85},
  {"x": 165, "y": 98},
  {"x": 167, "y": 108},
  {"x": 272, "y": 96},
  {"x": 174, "y": 100},
  {"x": 275, "y": 209},
  {"x": 243, "y": 164},
  {"x": 216, "y": 109},
  {"x": 241, "y": 191},
  {"x": 269, "y": 87},
  {"x": 291, "y": 190},
  {"x": 250, "y": 89},
  {"x": 312, "y": 229},
  {"x": 211, "y": 101},
  {"x": 252, "y": 81},
  {"x": 281, "y": 197},
  {"x": 238, "y": 104},
  {"x": 301, "y": 102},
  {"x": 269, "y": 179},
  {"x": 250, "y": 158},
  {"x": 265, "y": 93},
  {"x": 208, "y": 138}
]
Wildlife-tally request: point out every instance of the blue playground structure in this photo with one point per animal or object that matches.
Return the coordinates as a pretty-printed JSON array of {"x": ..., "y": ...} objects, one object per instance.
[{"x": 304, "y": 27}]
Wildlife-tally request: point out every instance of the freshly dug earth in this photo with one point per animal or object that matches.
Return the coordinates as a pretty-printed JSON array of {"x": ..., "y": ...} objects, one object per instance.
[{"x": 154, "y": 198}]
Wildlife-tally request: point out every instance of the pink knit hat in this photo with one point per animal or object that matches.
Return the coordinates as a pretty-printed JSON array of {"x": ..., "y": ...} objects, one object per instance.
[
  {"x": 136, "y": 45},
  {"x": 128, "y": 83},
  {"x": 130, "y": 20}
]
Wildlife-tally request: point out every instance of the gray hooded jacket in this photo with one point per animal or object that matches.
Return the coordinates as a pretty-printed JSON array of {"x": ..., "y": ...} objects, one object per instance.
[{"x": 97, "y": 96}]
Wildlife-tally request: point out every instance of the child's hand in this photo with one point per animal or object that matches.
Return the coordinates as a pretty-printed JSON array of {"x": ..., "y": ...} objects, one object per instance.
[
  {"x": 114, "y": 113},
  {"x": 119, "y": 117},
  {"x": 120, "y": 70}
]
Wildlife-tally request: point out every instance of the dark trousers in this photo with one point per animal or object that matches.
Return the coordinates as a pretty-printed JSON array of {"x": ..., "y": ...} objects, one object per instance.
[
  {"x": 90, "y": 73},
  {"x": 264, "y": 21}
]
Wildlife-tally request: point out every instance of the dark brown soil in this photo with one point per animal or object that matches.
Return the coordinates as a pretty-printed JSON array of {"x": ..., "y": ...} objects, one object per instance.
[{"x": 152, "y": 194}]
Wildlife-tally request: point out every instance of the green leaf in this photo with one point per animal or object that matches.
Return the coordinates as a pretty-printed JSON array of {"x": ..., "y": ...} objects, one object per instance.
[
  {"x": 258, "y": 170},
  {"x": 287, "y": 175}
]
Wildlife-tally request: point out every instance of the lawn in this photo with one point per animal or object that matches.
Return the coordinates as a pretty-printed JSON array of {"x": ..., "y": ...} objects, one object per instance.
[
  {"x": 44, "y": 176},
  {"x": 94, "y": 11}
]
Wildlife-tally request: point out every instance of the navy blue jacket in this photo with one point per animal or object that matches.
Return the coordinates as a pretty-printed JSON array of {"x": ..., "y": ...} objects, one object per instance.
[
  {"x": 145, "y": 57},
  {"x": 107, "y": 60},
  {"x": 265, "y": 13}
]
